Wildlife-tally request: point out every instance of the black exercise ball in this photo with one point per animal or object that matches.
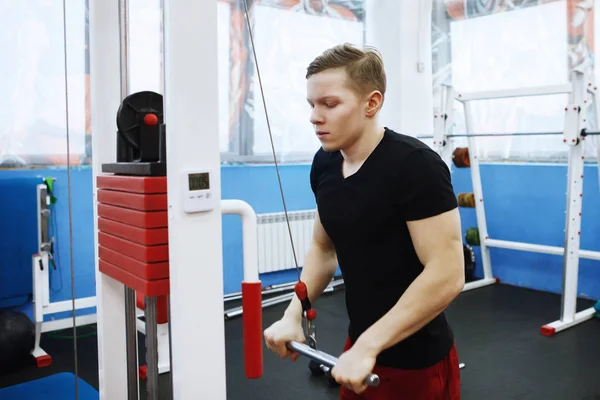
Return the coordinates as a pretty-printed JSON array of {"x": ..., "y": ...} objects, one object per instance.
[{"x": 17, "y": 340}]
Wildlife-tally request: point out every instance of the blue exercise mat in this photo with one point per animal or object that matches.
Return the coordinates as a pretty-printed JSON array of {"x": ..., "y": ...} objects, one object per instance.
[{"x": 54, "y": 387}]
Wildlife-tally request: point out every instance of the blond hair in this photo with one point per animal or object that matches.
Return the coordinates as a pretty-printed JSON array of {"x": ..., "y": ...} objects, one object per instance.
[{"x": 364, "y": 68}]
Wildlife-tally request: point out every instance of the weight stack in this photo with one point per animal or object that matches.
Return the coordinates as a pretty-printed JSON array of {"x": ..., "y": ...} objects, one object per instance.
[{"x": 133, "y": 237}]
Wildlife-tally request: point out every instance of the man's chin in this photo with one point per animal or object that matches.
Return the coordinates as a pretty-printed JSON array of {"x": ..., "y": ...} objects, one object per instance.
[{"x": 329, "y": 147}]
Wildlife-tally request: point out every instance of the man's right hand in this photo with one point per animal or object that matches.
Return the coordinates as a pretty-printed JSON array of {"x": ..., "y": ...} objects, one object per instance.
[{"x": 283, "y": 331}]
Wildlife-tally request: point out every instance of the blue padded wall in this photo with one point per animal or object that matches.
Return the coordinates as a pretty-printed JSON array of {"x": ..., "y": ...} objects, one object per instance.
[{"x": 18, "y": 237}]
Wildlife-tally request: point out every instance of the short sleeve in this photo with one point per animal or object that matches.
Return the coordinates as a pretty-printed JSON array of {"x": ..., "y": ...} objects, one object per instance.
[
  {"x": 313, "y": 179},
  {"x": 314, "y": 172},
  {"x": 425, "y": 186}
]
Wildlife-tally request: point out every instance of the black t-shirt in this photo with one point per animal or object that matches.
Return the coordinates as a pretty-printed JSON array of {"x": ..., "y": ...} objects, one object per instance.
[{"x": 365, "y": 216}]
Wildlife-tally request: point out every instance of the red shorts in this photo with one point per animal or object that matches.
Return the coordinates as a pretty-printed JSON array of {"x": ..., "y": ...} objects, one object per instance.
[{"x": 438, "y": 382}]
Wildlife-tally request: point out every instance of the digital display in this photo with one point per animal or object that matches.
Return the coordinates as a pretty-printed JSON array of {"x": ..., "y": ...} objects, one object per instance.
[{"x": 199, "y": 181}]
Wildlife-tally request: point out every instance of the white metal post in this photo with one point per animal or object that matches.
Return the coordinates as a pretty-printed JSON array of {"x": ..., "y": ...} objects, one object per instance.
[
  {"x": 195, "y": 242},
  {"x": 105, "y": 100},
  {"x": 520, "y": 92},
  {"x": 162, "y": 332},
  {"x": 593, "y": 90},
  {"x": 129, "y": 304},
  {"x": 538, "y": 248},
  {"x": 574, "y": 116},
  {"x": 442, "y": 121},
  {"x": 488, "y": 278},
  {"x": 38, "y": 307},
  {"x": 574, "y": 113},
  {"x": 41, "y": 276}
]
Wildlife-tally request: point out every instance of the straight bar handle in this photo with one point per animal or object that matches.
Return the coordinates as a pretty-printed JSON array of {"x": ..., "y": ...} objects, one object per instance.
[{"x": 328, "y": 360}]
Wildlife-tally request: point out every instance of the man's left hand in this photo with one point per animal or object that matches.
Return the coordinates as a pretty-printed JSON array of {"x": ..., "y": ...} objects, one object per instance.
[{"x": 352, "y": 369}]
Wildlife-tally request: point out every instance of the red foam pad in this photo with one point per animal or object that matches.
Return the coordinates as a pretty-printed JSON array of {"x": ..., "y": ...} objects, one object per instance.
[
  {"x": 141, "y": 219},
  {"x": 139, "y": 300},
  {"x": 43, "y": 361},
  {"x": 158, "y": 287},
  {"x": 133, "y": 184},
  {"x": 547, "y": 330},
  {"x": 147, "y": 237},
  {"x": 147, "y": 254},
  {"x": 147, "y": 271},
  {"x": 162, "y": 309},
  {"x": 136, "y": 201},
  {"x": 253, "y": 329}
]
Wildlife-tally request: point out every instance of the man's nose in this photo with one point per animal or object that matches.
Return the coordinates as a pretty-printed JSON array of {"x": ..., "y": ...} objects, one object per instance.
[{"x": 315, "y": 117}]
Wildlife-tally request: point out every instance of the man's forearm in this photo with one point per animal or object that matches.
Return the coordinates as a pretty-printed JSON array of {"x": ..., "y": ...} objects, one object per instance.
[
  {"x": 425, "y": 298},
  {"x": 318, "y": 271}
]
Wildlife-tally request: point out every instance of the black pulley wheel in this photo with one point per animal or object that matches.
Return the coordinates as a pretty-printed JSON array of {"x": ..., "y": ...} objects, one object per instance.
[
  {"x": 131, "y": 115},
  {"x": 330, "y": 378},
  {"x": 315, "y": 368}
]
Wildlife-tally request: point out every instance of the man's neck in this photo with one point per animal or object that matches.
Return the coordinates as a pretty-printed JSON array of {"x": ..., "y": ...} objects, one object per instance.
[{"x": 364, "y": 146}]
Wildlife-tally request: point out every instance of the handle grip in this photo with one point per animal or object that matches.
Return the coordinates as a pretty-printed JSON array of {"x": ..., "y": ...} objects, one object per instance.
[{"x": 372, "y": 380}]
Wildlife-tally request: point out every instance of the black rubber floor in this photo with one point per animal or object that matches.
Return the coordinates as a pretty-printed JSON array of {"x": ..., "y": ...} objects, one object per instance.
[{"x": 497, "y": 331}]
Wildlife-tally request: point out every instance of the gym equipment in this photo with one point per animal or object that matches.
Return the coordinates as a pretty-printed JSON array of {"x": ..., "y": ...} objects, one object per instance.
[
  {"x": 466, "y": 200},
  {"x": 472, "y": 237},
  {"x": 318, "y": 369},
  {"x": 17, "y": 339},
  {"x": 460, "y": 157},
  {"x": 132, "y": 228},
  {"x": 583, "y": 93},
  {"x": 54, "y": 387},
  {"x": 324, "y": 359},
  {"x": 141, "y": 147},
  {"x": 469, "y": 255},
  {"x": 133, "y": 241},
  {"x": 584, "y": 133},
  {"x": 42, "y": 263},
  {"x": 271, "y": 301}
]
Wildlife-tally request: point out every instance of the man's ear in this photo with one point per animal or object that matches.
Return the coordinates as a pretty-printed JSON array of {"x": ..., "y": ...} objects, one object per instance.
[{"x": 374, "y": 103}]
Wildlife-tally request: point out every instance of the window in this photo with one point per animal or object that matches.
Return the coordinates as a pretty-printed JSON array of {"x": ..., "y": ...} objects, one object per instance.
[
  {"x": 288, "y": 35},
  {"x": 32, "y": 83},
  {"x": 497, "y": 45}
]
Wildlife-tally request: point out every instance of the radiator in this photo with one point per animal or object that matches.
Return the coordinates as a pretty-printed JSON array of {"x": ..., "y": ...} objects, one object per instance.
[{"x": 274, "y": 248}]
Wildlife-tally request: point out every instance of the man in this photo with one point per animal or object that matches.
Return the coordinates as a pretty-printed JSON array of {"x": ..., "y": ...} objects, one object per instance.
[{"x": 387, "y": 214}]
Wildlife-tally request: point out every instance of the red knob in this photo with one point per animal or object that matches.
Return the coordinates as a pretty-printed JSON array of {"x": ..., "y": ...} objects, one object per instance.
[
  {"x": 311, "y": 314},
  {"x": 301, "y": 290},
  {"x": 150, "y": 119}
]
